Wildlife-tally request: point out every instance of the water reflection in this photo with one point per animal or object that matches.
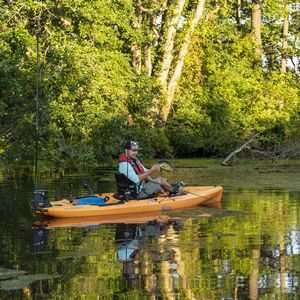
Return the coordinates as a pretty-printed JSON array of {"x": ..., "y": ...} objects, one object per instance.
[
  {"x": 40, "y": 235},
  {"x": 172, "y": 257},
  {"x": 247, "y": 250},
  {"x": 132, "y": 239}
]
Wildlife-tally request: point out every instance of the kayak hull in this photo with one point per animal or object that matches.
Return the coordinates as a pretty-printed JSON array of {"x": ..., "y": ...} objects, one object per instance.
[
  {"x": 132, "y": 218},
  {"x": 193, "y": 196}
]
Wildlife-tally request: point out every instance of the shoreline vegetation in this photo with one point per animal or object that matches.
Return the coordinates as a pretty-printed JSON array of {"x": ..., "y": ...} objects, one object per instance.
[
  {"x": 183, "y": 78},
  {"x": 242, "y": 173}
]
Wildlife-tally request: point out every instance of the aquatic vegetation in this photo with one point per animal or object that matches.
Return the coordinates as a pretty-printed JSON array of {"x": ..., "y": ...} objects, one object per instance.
[{"x": 16, "y": 279}]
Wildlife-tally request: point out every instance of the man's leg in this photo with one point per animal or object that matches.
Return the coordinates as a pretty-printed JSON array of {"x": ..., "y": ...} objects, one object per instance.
[
  {"x": 164, "y": 183},
  {"x": 150, "y": 188}
]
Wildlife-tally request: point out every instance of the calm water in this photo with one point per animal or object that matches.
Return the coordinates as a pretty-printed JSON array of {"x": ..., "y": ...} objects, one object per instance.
[{"x": 248, "y": 249}]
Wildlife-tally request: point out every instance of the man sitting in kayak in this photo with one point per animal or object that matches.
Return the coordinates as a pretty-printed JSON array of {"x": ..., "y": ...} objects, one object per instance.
[{"x": 130, "y": 166}]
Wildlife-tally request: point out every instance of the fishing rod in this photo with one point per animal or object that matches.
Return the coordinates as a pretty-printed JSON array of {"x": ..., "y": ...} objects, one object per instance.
[
  {"x": 36, "y": 135},
  {"x": 41, "y": 196}
]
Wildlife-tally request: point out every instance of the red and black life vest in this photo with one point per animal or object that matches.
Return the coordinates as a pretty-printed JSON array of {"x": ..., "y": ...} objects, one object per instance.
[{"x": 135, "y": 163}]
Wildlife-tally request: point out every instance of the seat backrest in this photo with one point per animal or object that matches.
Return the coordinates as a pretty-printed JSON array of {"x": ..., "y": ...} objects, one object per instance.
[{"x": 125, "y": 186}]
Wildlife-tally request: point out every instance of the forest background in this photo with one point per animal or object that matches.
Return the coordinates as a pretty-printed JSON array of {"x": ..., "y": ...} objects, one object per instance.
[{"x": 185, "y": 78}]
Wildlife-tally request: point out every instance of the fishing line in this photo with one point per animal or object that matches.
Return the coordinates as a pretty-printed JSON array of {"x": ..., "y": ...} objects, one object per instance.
[
  {"x": 197, "y": 195},
  {"x": 183, "y": 190}
]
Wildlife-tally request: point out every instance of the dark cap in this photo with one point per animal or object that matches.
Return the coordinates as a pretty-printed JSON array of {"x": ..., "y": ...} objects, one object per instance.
[{"x": 131, "y": 145}]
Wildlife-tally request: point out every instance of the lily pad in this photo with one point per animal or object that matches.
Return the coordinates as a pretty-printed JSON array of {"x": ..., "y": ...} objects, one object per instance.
[
  {"x": 7, "y": 273},
  {"x": 23, "y": 281}
]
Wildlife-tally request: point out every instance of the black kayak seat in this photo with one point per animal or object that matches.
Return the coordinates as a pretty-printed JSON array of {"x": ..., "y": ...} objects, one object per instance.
[{"x": 126, "y": 188}]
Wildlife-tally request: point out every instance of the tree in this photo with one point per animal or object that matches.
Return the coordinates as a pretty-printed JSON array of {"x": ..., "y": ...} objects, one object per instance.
[
  {"x": 285, "y": 36},
  {"x": 180, "y": 75},
  {"x": 169, "y": 29},
  {"x": 256, "y": 26},
  {"x": 84, "y": 53}
]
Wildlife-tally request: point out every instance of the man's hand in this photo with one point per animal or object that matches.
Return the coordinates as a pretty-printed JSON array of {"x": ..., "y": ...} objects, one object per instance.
[{"x": 153, "y": 169}]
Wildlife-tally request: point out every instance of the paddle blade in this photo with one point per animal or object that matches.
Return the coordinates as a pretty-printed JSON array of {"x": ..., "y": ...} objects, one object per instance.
[{"x": 166, "y": 166}]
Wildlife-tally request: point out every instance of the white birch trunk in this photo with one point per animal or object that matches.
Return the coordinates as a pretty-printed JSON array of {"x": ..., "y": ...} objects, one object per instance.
[
  {"x": 147, "y": 60},
  {"x": 136, "y": 59},
  {"x": 169, "y": 43},
  {"x": 180, "y": 62},
  {"x": 256, "y": 26},
  {"x": 239, "y": 12},
  {"x": 284, "y": 37}
]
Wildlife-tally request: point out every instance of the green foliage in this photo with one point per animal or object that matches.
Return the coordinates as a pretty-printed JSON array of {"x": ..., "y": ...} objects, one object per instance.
[
  {"x": 154, "y": 141},
  {"x": 92, "y": 98},
  {"x": 85, "y": 75},
  {"x": 140, "y": 99},
  {"x": 224, "y": 96}
]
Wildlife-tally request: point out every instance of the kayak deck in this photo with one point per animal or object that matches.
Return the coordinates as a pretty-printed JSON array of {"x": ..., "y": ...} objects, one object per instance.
[{"x": 192, "y": 196}]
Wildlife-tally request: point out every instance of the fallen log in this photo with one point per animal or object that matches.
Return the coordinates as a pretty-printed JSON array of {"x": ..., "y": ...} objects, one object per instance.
[{"x": 225, "y": 162}]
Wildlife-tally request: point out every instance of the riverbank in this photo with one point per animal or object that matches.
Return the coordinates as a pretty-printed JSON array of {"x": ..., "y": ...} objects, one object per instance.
[
  {"x": 243, "y": 174},
  {"x": 194, "y": 171}
]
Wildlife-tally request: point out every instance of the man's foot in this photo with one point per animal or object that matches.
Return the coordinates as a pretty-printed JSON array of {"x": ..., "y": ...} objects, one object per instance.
[
  {"x": 179, "y": 186},
  {"x": 178, "y": 189}
]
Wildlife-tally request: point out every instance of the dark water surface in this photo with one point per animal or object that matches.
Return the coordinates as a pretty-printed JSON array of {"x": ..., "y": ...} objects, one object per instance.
[{"x": 248, "y": 249}]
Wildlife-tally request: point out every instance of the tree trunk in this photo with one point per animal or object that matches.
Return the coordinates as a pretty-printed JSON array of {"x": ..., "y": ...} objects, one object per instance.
[
  {"x": 136, "y": 57},
  {"x": 225, "y": 162},
  {"x": 256, "y": 26},
  {"x": 282, "y": 257},
  {"x": 282, "y": 266},
  {"x": 254, "y": 275},
  {"x": 169, "y": 44},
  {"x": 180, "y": 62},
  {"x": 148, "y": 65},
  {"x": 238, "y": 12},
  {"x": 136, "y": 47},
  {"x": 147, "y": 59},
  {"x": 284, "y": 37}
]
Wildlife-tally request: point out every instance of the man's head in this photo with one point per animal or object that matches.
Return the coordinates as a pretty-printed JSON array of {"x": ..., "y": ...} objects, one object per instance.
[{"x": 131, "y": 148}]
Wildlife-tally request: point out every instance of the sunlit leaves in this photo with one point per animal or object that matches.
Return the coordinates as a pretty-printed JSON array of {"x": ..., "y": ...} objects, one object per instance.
[{"x": 90, "y": 92}]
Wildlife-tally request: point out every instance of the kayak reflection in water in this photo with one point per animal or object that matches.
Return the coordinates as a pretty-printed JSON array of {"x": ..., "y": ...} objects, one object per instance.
[
  {"x": 133, "y": 169},
  {"x": 132, "y": 242},
  {"x": 40, "y": 235}
]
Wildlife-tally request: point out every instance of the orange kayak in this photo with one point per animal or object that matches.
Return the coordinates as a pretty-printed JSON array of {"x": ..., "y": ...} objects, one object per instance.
[
  {"x": 193, "y": 196},
  {"x": 132, "y": 218},
  {"x": 141, "y": 218}
]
